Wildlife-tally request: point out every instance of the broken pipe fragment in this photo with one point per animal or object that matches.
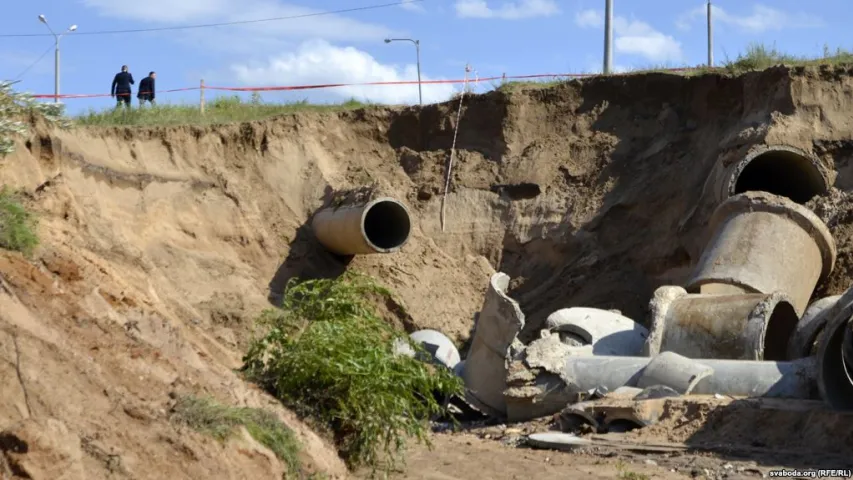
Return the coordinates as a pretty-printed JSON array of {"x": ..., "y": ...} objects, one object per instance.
[
  {"x": 544, "y": 384},
  {"x": 496, "y": 331}
]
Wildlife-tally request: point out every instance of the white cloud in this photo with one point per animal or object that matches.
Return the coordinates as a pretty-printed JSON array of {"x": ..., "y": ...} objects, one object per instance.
[
  {"x": 413, "y": 7},
  {"x": 508, "y": 10},
  {"x": 319, "y": 62},
  {"x": 762, "y": 19},
  {"x": 634, "y": 37},
  {"x": 331, "y": 27}
]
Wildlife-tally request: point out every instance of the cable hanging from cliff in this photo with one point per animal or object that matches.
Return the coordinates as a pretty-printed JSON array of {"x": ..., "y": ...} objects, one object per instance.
[{"x": 453, "y": 147}]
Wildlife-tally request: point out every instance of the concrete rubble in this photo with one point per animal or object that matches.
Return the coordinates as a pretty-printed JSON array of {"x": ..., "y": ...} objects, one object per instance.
[{"x": 740, "y": 326}]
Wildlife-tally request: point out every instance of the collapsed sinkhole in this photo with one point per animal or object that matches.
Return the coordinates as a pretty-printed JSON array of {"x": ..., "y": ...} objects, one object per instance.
[
  {"x": 781, "y": 171},
  {"x": 387, "y": 225}
]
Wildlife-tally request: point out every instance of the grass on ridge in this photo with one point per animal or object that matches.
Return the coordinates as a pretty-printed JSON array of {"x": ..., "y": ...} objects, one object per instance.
[
  {"x": 757, "y": 56},
  {"x": 219, "y": 421},
  {"x": 17, "y": 224},
  {"x": 225, "y": 109}
]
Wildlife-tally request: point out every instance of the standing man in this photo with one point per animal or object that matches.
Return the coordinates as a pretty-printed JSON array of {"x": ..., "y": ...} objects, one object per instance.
[
  {"x": 146, "y": 89},
  {"x": 121, "y": 87}
]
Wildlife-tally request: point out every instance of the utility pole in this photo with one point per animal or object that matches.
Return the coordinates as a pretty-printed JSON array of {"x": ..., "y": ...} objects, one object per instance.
[
  {"x": 418, "y": 52},
  {"x": 608, "y": 36},
  {"x": 710, "y": 37},
  {"x": 56, "y": 38}
]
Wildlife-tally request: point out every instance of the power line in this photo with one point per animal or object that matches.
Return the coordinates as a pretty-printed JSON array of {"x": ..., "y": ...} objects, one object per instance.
[
  {"x": 224, "y": 24},
  {"x": 34, "y": 63}
]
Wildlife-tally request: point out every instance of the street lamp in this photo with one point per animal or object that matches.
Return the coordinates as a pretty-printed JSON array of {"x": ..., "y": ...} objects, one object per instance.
[
  {"x": 56, "y": 55},
  {"x": 418, "y": 50}
]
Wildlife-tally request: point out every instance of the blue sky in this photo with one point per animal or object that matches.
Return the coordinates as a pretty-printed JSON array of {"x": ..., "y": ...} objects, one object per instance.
[{"x": 495, "y": 36}]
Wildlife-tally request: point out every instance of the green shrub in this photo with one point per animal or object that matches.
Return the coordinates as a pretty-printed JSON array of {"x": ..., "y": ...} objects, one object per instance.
[
  {"x": 329, "y": 356},
  {"x": 219, "y": 421},
  {"x": 17, "y": 225}
]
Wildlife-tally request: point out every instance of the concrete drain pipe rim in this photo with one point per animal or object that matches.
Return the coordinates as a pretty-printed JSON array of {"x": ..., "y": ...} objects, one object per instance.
[
  {"x": 817, "y": 172},
  {"x": 751, "y": 202},
  {"x": 363, "y": 224}
]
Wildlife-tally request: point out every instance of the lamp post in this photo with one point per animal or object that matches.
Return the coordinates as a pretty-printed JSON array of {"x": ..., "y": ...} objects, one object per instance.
[
  {"x": 56, "y": 55},
  {"x": 418, "y": 51},
  {"x": 710, "y": 38},
  {"x": 608, "y": 36}
]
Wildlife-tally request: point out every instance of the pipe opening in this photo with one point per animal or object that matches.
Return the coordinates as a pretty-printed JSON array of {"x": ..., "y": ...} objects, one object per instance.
[
  {"x": 780, "y": 326},
  {"x": 781, "y": 172},
  {"x": 386, "y": 225}
]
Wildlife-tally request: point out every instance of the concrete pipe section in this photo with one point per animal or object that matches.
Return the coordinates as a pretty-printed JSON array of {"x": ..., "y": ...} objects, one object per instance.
[
  {"x": 608, "y": 332},
  {"x": 835, "y": 354},
  {"x": 381, "y": 225},
  {"x": 809, "y": 328},
  {"x": 495, "y": 336},
  {"x": 764, "y": 243},
  {"x": 569, "y": 378},
  {"x": 735, "y": 327},
  {"x": 438, "y": 347},
  {"x": 778, "y": 169}
]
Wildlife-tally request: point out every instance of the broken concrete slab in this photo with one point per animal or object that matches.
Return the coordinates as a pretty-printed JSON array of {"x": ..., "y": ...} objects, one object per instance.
[
  {"x": 496, "y": 331},
  {"x": 609, "y": 333}
]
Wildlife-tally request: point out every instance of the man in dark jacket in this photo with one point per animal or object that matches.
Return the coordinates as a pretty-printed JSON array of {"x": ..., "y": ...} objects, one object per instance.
[
  {"x": 146, "y": 89},
  {"x": 121, "y": 86}
]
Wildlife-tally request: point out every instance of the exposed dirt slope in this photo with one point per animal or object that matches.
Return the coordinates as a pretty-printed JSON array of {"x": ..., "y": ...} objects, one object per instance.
[{"x": 161, "y": 244}]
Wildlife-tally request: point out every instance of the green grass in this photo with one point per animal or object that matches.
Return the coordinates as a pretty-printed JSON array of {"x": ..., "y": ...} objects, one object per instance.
[
  {"x": 17, "y": 224},
  {"x": 220, "y": 421},
  {"x": 219, "y": 110},
  {"x": 327, "y": 355},
  {"x": 756, "y": 57}
]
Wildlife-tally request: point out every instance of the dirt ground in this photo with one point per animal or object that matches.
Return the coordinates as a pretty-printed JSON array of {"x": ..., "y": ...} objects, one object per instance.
[{"x": 160, "y": 245}]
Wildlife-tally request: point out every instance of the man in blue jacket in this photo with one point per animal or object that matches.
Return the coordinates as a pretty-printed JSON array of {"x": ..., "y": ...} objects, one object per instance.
[
  {"x": 121, "y": 86},
  {"x": 146, "y": 89}
]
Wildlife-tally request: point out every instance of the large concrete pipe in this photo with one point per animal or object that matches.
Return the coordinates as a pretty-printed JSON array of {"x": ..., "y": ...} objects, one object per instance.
[
  {"x": 810, "y": 326},
  {"x": 554, "y": 387},
  {"x": 753, "y": 326},
  {"x": 381, "y": 225},
  {"x": 764, "y": 243},
  {"x": 497, "y": 328},
  {"x": 778, "y": 169},
  {"x": 835, "y": 373}
]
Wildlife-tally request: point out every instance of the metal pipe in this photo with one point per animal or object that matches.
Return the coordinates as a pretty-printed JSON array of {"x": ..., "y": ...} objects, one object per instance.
[
  {"x": 765, "y": 243},
  {"x": 381, "y": 225},
  {"x": 608, "y": 36}
]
